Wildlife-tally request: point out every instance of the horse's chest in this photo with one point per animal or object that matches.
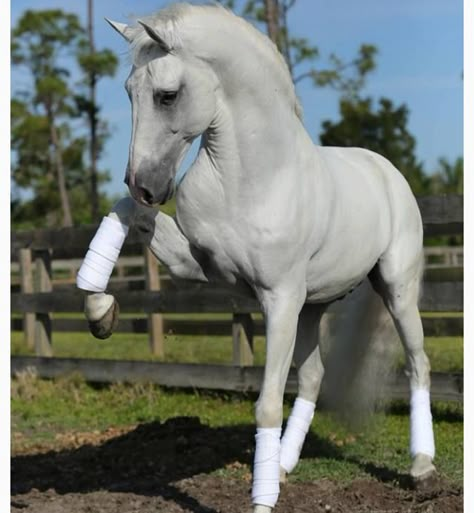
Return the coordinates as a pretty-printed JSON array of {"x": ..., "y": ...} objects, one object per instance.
[
  {"x": 217, "y": 250},
  {"x": 205, "y": 221}
]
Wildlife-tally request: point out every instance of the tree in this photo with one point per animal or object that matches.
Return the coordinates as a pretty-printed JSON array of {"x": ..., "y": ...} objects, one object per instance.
[
  {"x": 300, "y": 54},
  {"x": 448, "y": 179},
  {"x": 383, "y": 131},
  {"x": 95, "y": 65},
  {"x": 39, "y": 39},
  {"x": 34, "y": 170},
  {"x": 48, "y": 150}
]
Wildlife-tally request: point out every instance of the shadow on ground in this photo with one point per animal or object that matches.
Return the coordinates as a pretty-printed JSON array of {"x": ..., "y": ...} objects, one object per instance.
[{"x": 152, "y": 458}]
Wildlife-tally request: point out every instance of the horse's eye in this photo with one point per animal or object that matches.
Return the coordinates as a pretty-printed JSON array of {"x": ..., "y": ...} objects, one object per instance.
[{"x": 168, "y": 97}]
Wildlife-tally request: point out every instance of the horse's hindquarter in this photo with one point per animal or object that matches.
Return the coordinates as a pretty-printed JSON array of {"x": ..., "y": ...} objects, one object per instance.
[{"x": 360, "y": 226}]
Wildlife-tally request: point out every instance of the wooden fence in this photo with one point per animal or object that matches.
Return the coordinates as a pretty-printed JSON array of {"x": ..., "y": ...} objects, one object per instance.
[{"x": 39, "y": 293}]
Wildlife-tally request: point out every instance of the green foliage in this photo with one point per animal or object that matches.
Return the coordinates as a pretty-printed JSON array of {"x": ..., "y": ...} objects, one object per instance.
[
  {"x": 48, "y": 150},
  {"x": 347, "y": 78},
  {"x": 449, "y": 178},
  {"x": 300, "y": 54},
  {"x": 383, "y": 131},
  {"x": 45, "y": 31},
  {"x": 39, "y": 40},
  {"x": 29, "y": 135},
  {"x": 99, "y": 63}
]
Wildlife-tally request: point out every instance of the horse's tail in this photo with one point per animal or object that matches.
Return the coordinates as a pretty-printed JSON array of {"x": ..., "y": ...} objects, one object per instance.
[{"x": 359, "y": 345}]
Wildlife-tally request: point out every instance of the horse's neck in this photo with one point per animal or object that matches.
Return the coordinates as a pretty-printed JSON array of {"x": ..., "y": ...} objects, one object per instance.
[
  {"x": 256, "y": 130},
  {"x": 253, "y": 141}
]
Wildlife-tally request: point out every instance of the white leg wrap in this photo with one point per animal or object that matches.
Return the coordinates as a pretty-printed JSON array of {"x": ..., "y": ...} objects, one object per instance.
[
  {"x": 266, "y": 468},
  {"x": 421, "y": 426},
  {"x": 103, "y": 253},
  {"x": 296, "y": 429}
]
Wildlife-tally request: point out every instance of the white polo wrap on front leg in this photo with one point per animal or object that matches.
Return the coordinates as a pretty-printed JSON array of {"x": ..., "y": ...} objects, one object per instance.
[
  {"x": 421, "y": 425},
  {"x": 102, "y": 255},
  {"x": 295, "y": 432},
  {"x": 266, "y": 467}
]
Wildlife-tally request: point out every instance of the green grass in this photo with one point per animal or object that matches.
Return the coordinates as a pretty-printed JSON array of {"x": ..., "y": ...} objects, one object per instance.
[
  {"x": 445, "y": 353},
  {"x": 124, "y": 346},
  {"x": 43, "y": 408}
]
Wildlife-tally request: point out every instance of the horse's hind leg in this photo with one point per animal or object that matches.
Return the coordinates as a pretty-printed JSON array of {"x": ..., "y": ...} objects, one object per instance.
[
  {"x": 400, "y": 294},
  {"x": 310, "y": 371}
]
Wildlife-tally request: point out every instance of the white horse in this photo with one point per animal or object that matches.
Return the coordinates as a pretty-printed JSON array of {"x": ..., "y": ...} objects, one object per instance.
[{"x": 264, "y": 209}]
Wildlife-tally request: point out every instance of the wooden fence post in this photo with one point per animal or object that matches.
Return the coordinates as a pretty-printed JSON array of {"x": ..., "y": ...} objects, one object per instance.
[
  {"x": 155, "y": 321},
  {"x": 242, "y": 340},
  {"x": 26, "y": 287},
  {"x": 43, "y": 283}
]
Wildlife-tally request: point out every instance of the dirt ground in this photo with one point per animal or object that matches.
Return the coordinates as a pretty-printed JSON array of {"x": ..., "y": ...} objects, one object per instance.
[{"x": 165, "y": 468}]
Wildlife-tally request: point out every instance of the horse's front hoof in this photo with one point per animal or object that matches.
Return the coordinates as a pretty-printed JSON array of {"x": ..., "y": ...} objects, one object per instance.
[
  {"x": 422, "y": 470},
  {"x": 105, "y": 326},
  {"x": 283, "y": 477}
]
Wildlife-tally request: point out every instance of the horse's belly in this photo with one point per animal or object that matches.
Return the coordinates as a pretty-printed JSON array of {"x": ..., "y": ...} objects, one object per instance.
[
  {"x": 325, "y": 293},
  {"x": 330, "y": 278}
]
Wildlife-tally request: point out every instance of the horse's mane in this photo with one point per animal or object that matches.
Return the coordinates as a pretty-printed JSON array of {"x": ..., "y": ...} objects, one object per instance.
[{"x": 170, "y": 20}]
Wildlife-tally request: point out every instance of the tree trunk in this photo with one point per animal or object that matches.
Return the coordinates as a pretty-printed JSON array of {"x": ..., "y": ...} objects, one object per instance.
[
  {"x": 284, "y": 38},
  {"x": 272, "y": 19},
  {"x": 92, "y": 119},
  {"x": 58, "y": 161},
  {"x": 277, "y": 28}
]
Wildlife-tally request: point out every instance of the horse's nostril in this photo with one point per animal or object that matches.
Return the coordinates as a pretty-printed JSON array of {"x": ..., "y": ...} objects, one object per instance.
[{"x": 146, "y": 195}]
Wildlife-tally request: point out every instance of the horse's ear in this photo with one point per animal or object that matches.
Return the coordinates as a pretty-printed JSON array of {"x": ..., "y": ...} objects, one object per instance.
[
  {"x": 156, "y": 37},
  {"x": 121, "y": 28}
]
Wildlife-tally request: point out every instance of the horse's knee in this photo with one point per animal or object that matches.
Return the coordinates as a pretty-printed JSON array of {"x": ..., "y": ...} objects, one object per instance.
[{"x": 269, "y": 411}]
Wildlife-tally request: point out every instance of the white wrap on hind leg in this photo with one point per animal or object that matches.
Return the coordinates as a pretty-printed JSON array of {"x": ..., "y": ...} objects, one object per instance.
[
  {"x": 296, "y": 429},
  {"x": 421, "y": 425}
]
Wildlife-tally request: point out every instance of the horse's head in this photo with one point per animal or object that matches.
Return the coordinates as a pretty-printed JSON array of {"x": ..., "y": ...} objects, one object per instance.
[{"x": 173, "y": 102}]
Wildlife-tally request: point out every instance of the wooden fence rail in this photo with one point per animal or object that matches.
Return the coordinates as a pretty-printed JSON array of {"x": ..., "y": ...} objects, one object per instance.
[
  {"x": 36, "y": 252},
  {"x": 444, "y": 387},
  {"x": 437, "y": 297},
  {"x": 65, "y": 271},
  {"x": 442, "y": 215}
]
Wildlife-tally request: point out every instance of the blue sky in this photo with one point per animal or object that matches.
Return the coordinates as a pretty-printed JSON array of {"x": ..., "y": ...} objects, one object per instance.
[{"x": 420, "y": 63}]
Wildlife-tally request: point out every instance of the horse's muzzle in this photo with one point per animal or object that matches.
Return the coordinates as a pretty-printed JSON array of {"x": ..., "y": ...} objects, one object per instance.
[{"x": 146, "y": 197}]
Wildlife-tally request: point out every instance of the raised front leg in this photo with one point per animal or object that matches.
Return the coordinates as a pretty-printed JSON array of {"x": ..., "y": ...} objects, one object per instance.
[
  {"x": 158, "y": 231},
  {"x": 281, "y": 310},
  {"x": 101, "y": 309},
  {"x": 167, "y": 242}
]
